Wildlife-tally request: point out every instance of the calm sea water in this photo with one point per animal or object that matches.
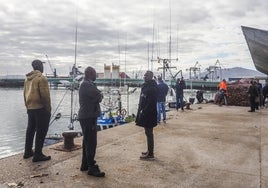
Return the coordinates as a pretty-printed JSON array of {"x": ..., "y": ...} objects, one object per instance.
[{"x": 14, "y": 117}]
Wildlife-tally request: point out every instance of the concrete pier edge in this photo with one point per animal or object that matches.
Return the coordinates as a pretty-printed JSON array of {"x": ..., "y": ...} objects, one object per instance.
[{"x": 205, "y": 146}]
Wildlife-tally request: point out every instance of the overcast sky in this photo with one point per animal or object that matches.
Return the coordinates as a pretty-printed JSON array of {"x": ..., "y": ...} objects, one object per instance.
[{"x": 119, "y": 32}]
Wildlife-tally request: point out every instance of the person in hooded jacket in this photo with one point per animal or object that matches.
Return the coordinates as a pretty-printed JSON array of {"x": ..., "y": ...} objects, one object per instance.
[
  {"x": 147, "y": 113},
  {"x": 38, "y": 104}
]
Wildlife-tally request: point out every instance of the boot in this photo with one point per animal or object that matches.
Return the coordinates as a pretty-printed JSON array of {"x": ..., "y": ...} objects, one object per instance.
[
  {"x": 28, "y": 154},
  {"x": 95, "y": 171}
]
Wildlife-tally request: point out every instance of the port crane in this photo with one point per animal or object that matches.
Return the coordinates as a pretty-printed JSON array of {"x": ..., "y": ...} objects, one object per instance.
[{"x": 53, "y": 70}]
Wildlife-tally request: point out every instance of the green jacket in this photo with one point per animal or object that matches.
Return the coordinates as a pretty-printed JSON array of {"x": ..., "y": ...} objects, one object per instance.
[{"x": 36, "y": 91}]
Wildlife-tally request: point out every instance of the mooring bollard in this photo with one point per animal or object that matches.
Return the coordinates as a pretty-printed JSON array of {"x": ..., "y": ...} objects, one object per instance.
[{"x": 69, "y": 139}]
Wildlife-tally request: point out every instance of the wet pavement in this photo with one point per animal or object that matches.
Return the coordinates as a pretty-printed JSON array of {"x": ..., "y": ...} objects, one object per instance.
[{"x": 206, "y": 146}]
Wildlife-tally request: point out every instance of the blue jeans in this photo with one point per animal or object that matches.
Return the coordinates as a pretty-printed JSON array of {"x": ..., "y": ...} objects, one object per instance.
[
  {"x": 179, "y": 101},
  {"x": 161, "y": 108}
]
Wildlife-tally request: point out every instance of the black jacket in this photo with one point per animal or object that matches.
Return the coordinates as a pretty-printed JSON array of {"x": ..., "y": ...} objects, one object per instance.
[
  {"x": 89, "y": 99},
  {"x": 180, "y": 87},
  {"x": 147, "y": 112}
]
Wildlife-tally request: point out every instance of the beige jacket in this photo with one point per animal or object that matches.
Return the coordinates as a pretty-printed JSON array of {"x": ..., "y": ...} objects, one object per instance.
[{"x": 36, "y": 91}]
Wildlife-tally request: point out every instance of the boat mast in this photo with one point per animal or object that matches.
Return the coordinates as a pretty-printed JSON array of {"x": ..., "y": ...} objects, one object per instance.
[
  {"x": 71, "y": 126},
  {"x": 166, "y": 62}
]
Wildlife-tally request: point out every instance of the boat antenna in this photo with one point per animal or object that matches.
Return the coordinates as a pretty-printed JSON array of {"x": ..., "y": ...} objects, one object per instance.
[
  {"x": 119, "y": 58},
  {"x": 125, "y": 62},
  {"x": 148, "y": 46},
  {"x": 152, "y": 43},
  {"x": 170, "y": 31}
]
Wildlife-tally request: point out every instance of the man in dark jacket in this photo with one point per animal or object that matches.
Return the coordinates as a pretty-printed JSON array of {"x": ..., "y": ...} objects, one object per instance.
[
  {"x": 253, "y": 94},
  {"x": 89, "y": 99},
  {"x": 37, "y": 101},
  {"x": 180, "y": 86},
  {"x": 161, "y": 99},
  {"x": 147, "y": 113}
]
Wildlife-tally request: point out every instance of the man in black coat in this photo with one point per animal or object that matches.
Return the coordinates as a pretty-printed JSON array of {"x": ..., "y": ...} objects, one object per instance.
[
  {"x": 253, "y": 94},
  {"x": 89, "y": 99},
  {"x": 180, "y": 86},
  {"x": 147, "y": 112}
]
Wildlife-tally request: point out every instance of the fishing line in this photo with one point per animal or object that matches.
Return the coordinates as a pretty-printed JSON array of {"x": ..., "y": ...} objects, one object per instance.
[{"x": 53, "y": 115}]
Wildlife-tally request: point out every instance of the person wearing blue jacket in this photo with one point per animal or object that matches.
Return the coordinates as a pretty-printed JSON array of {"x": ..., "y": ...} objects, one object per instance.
[{"x": 162, "y": 91}]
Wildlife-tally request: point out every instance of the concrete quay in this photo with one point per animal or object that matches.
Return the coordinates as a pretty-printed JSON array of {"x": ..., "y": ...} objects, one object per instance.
[{"x": 206, "y": 146}]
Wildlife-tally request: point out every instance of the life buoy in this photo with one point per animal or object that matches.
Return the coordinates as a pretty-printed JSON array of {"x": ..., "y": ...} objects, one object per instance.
[{"x": 123, "y": 112}]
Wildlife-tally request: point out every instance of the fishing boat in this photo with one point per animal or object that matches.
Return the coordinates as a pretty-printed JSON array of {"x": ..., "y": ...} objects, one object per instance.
[
  {"x": 257, "y": 41},
  {"x": 113, "y": 114}
]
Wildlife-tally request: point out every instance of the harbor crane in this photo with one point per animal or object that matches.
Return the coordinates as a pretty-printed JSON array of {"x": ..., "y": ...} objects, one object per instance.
[
  {"x": 214, "y": 71},
  {"x": 52, "y": 70},
  {"x": 195, "y": 69}
]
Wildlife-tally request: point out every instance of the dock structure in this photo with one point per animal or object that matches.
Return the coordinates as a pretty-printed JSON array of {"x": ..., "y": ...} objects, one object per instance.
[
  {"x": 57, "y": 81},
  {"x": 205, "y": 146}
]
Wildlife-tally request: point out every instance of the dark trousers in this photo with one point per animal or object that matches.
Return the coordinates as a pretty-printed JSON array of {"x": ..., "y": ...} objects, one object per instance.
[
  {"x": 252, "y": 103},
  {"x": 179, "y": 101},
  {"x": 150, "y": 140},
  {"x": 89, "y": 130},
  {"x": 38, "y": 123}
]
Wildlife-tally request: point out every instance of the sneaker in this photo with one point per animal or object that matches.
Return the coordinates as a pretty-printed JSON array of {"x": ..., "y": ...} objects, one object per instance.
[
  {"x": 144, "y": 153},
  {"x": 38, "y": 158},
  {"x": 164, "y": 121},
  {"x": 147, "y": 157},
  {"x": 95, "y": 171},
  {"x": 28, "y": 155}
]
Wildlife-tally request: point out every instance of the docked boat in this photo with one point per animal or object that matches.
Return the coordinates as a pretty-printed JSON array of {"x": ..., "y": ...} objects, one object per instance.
[{"x": 257, "y": 41}]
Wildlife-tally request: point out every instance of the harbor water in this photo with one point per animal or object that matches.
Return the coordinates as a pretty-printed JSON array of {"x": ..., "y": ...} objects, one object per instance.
[{"x": 14, "y": 116}]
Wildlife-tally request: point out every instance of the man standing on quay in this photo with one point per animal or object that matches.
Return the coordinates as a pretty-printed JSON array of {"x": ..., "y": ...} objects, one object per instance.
[
  {"x": 180, "y": 86},
  {"x": 38, "y": 104},
  {"x": 89, "y": 99},
  {"x": 147, "y": 113},
  {"x": 161, "y": 99}
]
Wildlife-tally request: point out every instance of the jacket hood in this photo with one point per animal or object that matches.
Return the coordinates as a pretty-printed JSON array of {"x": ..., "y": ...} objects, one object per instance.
[{"x": 33, "y": 74}]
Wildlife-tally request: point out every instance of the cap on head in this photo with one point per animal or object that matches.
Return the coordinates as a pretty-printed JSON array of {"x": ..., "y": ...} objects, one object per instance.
[{"x": 37, "y": 65}]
